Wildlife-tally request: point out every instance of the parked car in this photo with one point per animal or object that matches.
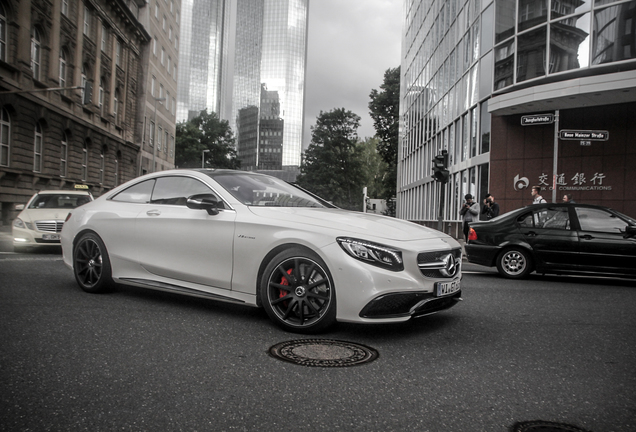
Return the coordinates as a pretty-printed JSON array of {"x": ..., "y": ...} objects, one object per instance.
[
  {"x": 40, "y": 222},
  {"x": 556, "y": 238},
  {"x": 255, "y": 240}
]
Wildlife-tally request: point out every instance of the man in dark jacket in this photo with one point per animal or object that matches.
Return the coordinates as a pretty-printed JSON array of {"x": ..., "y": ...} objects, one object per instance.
[
  {"x": 490, "y": 209},
  {"x": 469, "y": 213}
]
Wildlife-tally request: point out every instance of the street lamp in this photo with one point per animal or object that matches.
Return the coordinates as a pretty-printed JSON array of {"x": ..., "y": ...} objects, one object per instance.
[
  {"x": 154, "y": 133},
  {"x": 203, "y": 158}
]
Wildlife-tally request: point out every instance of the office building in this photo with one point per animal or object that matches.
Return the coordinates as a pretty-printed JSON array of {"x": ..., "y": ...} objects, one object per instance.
[
  {"x": 71, "y": 95},
  {"x": 478, "y": 77}
]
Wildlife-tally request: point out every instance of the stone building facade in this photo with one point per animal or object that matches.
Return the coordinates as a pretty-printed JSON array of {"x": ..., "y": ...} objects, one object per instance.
[{"x": 72, "y": 90}]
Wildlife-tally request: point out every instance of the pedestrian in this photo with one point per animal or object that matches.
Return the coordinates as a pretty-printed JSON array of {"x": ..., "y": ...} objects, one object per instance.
[
  {"x": 469, "y": 213},
  {"x": 567, "y": 198},
  {"x": 490, "y": 209},
  {"x": 537, "y": 199}
]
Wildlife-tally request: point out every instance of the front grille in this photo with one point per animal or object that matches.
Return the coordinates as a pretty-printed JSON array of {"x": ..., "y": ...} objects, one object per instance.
[
  {"x": 431, "y": 263},
  {"x": 49, "y": 226},
  {"x": 397, "y": 305}
]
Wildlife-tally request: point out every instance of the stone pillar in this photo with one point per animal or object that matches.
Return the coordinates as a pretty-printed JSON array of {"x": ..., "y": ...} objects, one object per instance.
[
  {"x": 24, "y": 40},
  {"x": 54, "y": 59}
]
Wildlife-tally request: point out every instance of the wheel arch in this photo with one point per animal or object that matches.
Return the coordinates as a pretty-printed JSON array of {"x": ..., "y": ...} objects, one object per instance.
[{"x": 269, "y": 256}]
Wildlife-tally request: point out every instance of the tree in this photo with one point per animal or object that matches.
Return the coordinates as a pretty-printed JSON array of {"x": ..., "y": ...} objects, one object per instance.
[
  {"x": 205, "y": 132},
  {"x": 385, "y": 112},
  {"x": 332, "y": 164},
  {"x": 375, "y": 169}
]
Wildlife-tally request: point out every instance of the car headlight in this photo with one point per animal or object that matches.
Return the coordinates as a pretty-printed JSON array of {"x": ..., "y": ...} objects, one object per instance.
[
  {"x": 372, "y": 253},
  {"x": 19, "y": 223}
]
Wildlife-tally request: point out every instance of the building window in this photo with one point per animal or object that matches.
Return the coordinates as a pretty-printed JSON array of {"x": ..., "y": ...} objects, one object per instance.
[
  {"x": 152, "y": 86},
  {"x": 117, "y": 168},
  {"x": 119, "y": 53},
  {"x": 163, "y": 55},
  {"x": 65, "y": 7},
  {"x": 170, "y": 34},
  {"x": 85, "y": 161},
  {"x": 36, "y": 53},
  {"x": 169, "y": 64},
  {"x": 163, "y": 26},
  {"x": 101, "y": 96},
  {"x": 116, "y": 104},
  {"x": 63, "y": 155},
  {"x": 83, "y": 83},
  {"x": 171, "y": 145},
  {"x": 102, "y": 166},
  {"x": 5, "y": 134},
  {"x": 154, "y": 46},
  {"x": 165, "y": 142},
  {"x": 3, "y": 34},
  {"x": 37, "y": 149},
  {"x": 160, "y": 91},
  {"x": 87, "y": 21},
  {"x": 152, "y": 134},
  {"x": 63, "y": 68},
  {"x": 104, "y": 38},
  {"x": 159, "y": 135}
]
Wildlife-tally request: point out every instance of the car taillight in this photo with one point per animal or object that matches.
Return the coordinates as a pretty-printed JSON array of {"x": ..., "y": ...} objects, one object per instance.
[
  {"x": 67, "y": 217},
  {"x": 472, "y": 235}
]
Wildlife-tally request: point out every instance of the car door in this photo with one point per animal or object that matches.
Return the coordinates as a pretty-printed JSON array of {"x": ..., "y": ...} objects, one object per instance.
[
  {"x": 184, "y": 244},
  {"x": 548, "y": 231},
  {"x": 604, "y": 245}
]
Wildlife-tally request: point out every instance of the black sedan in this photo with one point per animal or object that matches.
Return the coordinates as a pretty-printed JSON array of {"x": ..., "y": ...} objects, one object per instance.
[{"x": 556, "y": 238}]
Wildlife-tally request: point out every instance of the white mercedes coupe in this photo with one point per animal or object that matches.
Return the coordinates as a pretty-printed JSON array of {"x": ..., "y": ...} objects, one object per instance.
[{"x": 256, "y": 240}]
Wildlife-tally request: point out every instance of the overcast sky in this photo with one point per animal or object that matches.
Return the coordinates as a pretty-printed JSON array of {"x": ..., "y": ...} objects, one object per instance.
[{"x": 351, "y": 44}]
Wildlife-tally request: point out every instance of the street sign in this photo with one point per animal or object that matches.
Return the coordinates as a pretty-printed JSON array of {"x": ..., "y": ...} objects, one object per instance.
[
  {"x": 537, "y": 119},
  {"x": 583, "y": 135}
]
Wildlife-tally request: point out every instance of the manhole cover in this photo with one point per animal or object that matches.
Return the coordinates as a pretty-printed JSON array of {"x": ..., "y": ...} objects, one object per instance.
[
  {"x": 545, "y": 426},
  {"x": 323, "y": 353}
]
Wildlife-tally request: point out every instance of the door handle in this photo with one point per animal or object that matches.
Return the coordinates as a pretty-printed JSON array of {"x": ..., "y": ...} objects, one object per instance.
[
  {"x": 153, "y": 212},
  {"x": 531, "y": 234},
  {"x": 587, "y": 237}
]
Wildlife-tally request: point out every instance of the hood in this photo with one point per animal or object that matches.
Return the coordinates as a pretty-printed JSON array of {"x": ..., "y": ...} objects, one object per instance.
[
  {"x": 364, "y": 224},
  {"x": 32, "y": 215}
]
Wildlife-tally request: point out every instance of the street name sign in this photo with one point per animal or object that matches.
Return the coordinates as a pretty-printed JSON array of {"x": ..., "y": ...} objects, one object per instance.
[
  {"x": 537, "y": 119},
  {"x": 586, "y": 135}
]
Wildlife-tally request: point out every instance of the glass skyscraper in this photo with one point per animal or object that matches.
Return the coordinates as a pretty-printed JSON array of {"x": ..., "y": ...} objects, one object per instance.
[{"x": 247, "y": 47}]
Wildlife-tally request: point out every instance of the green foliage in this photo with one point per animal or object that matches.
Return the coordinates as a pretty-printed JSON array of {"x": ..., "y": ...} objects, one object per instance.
[
  {"x": 375, "y": 169},
  {"x": 332, "y": 166},
  {"x": 385, "y": 112},
  {"x": 205, "y": 132}
]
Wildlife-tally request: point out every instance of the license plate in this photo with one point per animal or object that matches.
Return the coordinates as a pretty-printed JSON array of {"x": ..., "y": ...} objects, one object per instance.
[
  {"x": 50, "y": 236},
  {"x": 447, "y": 288}
]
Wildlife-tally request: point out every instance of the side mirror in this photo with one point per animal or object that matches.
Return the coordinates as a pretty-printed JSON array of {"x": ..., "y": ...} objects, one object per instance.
[
  {"x": 207, "y": 202},
  {"x": 630, "y": 231},
  {"x": 19, "y": 207}
]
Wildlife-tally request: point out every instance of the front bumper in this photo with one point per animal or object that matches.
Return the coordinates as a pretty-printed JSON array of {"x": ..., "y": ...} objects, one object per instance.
[
  {"x": 408, "y": 305},
  {"x": 29, "y": 238}
]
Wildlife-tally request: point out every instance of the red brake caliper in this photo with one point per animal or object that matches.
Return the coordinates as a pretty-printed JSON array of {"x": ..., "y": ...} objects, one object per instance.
[{"x": 285, "y": 282}]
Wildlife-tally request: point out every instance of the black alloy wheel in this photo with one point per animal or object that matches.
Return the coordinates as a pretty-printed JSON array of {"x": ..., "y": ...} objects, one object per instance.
[
  {"x": 91, "y": 264},
  {"x": 297, "y": 292},
  {"x": 514, "y": 263}
]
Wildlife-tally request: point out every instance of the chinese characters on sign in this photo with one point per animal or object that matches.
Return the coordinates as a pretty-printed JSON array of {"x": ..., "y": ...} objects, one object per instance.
[{"x": 579, "y": 181}]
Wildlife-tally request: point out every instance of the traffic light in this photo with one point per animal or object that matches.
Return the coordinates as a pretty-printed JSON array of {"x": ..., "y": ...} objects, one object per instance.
[{"x": 440, "y": 165}]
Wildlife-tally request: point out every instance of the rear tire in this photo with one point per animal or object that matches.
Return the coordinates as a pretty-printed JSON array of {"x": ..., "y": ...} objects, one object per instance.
[
  {"x": 297, "y": 292},
  {"x": 514, "y": 263},
  {"x": 91, "y": 264}
]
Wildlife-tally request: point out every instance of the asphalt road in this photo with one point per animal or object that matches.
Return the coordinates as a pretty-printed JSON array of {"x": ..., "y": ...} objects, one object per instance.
[{"x": 551, "y": 348}]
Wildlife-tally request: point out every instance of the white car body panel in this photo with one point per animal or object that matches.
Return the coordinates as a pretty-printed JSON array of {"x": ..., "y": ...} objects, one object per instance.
[{"x": 177, "y": 248}]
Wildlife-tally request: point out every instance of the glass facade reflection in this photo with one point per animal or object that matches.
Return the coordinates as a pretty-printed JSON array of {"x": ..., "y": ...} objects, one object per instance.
[
  {"x": 271, "y": 46},
  {"x": 459, "y": 54},
  {"x": 231, "y": 51}
]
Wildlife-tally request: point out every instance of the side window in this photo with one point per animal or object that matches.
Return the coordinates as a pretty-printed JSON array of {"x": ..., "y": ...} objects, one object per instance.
[
  {"x": 592, "y": 219},
  {"x": 555, "y": 218},
  {"x": 525, "y": 221},
  {"x": 139, "y": 193},
  {"x": 176, "y": 190}
]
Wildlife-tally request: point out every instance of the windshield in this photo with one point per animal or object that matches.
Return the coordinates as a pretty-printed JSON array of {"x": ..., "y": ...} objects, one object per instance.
[
  {"x": 58, "y": 201},
  {"x": 262, "y": 190}
]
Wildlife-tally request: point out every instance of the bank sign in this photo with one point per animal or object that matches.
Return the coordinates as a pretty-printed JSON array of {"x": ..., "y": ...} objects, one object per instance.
[{"x": 578, "y": 182}]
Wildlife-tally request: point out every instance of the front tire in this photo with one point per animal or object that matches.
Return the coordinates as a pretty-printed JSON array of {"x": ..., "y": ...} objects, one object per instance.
[
  {"x": 514, "y": 263},
  {"x": 297, "y": 292},
  {"x": 91, "y": 264}
]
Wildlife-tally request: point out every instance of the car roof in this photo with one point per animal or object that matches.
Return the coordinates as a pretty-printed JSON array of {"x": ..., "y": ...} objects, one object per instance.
[{"x": 66, "y": 192}]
